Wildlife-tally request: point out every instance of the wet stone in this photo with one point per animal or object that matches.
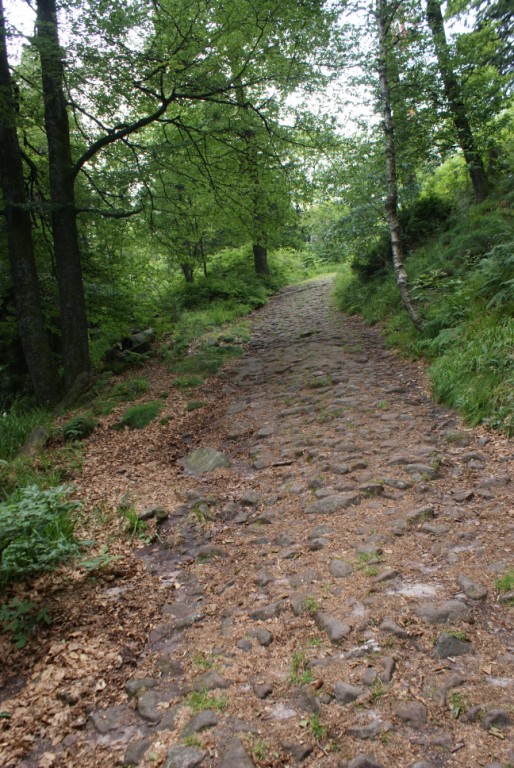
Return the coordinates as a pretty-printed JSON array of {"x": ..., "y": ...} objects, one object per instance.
[
  {"x": 185, "y": 757},
  {"x": 447, "y": 646}
]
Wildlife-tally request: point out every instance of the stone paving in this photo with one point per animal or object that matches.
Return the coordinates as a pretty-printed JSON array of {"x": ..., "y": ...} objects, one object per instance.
[{"x": 331, "y": 574}]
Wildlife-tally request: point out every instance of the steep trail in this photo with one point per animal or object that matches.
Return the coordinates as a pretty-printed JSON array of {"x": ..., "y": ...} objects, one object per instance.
[{"x": 329, "y": 598}]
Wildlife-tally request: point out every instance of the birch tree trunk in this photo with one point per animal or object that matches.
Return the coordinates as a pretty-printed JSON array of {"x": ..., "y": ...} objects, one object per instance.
[{"x": 391, "y": 205}]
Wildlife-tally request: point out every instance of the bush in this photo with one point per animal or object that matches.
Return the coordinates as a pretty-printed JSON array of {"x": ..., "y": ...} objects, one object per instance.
[
  {"x": 79, "y": 427},
  {"x": 36, "y": 532},
  {"x": 140, "y": 415}
]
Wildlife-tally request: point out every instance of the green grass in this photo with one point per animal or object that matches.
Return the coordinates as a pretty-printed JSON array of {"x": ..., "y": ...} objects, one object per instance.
[
  {"x": 200, "y": 700},
  {"x": 194, "y": 405},
  {"x": 16, "y": 424},
  {"x": 300, "y": 672},
  {"x": 506, "y": 582},
  {"x": 140, "y": 416},
  {"x": 463, "y": 284},
  {"x": 80, "y": 426}
]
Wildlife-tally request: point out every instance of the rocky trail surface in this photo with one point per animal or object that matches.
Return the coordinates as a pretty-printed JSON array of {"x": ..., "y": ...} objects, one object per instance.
[{"x": 323, "y": 592}]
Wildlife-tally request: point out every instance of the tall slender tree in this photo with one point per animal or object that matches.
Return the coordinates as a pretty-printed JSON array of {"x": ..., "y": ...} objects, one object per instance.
[
  {"x": 455, "y": 101},
  {"x": 384, "y": 17}
]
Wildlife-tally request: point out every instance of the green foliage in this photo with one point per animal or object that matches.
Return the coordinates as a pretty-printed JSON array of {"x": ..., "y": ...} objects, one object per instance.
[
  {"x": 463, "y": 284},
  {"x": 194, "y": 405},
  {"x": 300, "y": 672},
  {"x": 21, "y": 619},
  {"x": 36, "y": 532},
  {"x": 200, "y": 700},
  {"x": 140, "y": 416},
  {"x": 79, "y": 427},
  {"x": 506, "y": 582},
  {"x": 16, "y": 424},
  {"x": 135, "y": 526},
  {"x": 129, "y": 390}
]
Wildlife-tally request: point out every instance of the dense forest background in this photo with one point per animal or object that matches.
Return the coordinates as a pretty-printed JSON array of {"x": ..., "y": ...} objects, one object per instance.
[{"x": 166, "y": 165}]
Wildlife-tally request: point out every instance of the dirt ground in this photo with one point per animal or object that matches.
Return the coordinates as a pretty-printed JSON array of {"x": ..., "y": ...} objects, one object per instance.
[{"x": 328, "y": 596}]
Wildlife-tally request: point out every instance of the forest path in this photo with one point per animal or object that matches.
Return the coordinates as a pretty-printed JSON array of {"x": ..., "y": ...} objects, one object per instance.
[{"x": 329, "y": 598}]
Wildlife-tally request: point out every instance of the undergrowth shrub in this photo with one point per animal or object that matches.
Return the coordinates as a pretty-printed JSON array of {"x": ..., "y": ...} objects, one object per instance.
[
  {"x": 36, "y": 532},
  {"x": 140, "y": 416},
  {"x": 79, "y": 427}
]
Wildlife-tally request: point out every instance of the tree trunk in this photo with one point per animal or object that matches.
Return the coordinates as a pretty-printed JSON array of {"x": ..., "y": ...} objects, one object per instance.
[
  {"x": 72, "y": 304},
  {"x": 29, "y": 315},
  {"x": 260, "y": 259},
  {"x": 188, "y": 272},
  {"x": 455, "y": 101},
  {"x": 391, "y": 205}
]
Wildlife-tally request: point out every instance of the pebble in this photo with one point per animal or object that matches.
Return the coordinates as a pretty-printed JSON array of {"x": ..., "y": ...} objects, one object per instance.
[
  {"x": 339, "y": 569},
  {"x": 446, "y": 612},
  {"x": 201, "y": 722},
  {"x": 270, "y": 611},
  {"x": 147, "y": 706},
  {"x": 235, "y": 756},
  {"x": 370, "y": 730},
  {"x": 447, "y": 646},
  {"x": 185, "y": 757},
  {"x": 263, "y": 690},
  {"x": 413, "y": 712},
  {"x": 299, "y": 752},
  {"x": 332, "y": 504},
  {"x": 471, "y": 588},
  {"x": 135, "y": 751}
]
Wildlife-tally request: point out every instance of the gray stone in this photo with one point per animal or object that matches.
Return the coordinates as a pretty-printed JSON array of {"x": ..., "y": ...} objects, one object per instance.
[
  {"x": 306, "y": 576},
  {"x": 235, "y": 756},
  {"x": 299, "y": 603},
  {"x": 369, "y": 730},
  {"x": 331, "y": 504},
  {"x": 320, "y": 531},
  {"x": 335, "y": 628},
  {"x": 435, "y": 530},
  {"x": 185, "y": 757},
  {"x": 421, "y": 471},
  {"x": 388, "y": 667},
  {"x": 421, "y": 514},
  {"x": 315, "y": 545},
  {"x": 270, "y": 611},
  {"x": 110, "y": 719},
  {"x": 209, "y": 681},
  {"x": 471, "y": 588},
  {"x": 299, "y": 752},
  {"x": 364, "y": 761},
  {"x": 304, "y": 699},
  {"x": 210, "y": 551},
  {"x": 136, "y": 751},
  {"x": 386, "y": 575},
  {"x": 204, "y": 460},
  {"x": 422, "y": 764},
  {"x": 413, "y": 712},
  {"x": 263, "y": 690},
  {"x": 369, "y": 676},
  {"x": 345, "y": 693},
  {"x": 447, "y": 645},
  {"x": 446, "y": 612},
  {"x": 147, "y": 706},
  {"x": 263, "y": 636},
  {"x": 201, "y": 722},
  {"x": 251, "y": 499},
  {"x": 244, "y": 645},
  {"x": 263, "y": 578},
  {"x": 388, "y": 625},
  {"x": 167, "y": 722},
  {"x": 340, "y": 569},
  {"x": 132, "y": 687},
  {"x": 496, "y": 718}
]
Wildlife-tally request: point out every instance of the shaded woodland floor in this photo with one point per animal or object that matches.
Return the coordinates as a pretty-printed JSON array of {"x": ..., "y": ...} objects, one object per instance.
[{"x": 330, "y": 598}]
